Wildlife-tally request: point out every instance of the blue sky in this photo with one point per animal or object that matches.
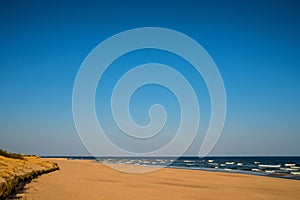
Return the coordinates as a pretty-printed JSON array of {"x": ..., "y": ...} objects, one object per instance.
[{"x": 255, "y": 45}]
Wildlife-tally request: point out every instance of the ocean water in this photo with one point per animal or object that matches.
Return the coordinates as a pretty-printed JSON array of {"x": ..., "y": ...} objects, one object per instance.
[{"x": 282, "y": 167}]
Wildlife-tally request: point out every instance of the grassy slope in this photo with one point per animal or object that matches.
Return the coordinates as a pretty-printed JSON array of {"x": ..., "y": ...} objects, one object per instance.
[{"x": 14, "y": 171}]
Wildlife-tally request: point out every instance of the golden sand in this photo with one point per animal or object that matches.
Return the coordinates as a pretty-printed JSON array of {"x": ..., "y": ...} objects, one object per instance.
[{"x": 79, "y": 179}]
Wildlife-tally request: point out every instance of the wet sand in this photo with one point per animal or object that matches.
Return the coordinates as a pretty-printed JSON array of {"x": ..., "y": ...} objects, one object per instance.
[{"x": 79, "y": 179}]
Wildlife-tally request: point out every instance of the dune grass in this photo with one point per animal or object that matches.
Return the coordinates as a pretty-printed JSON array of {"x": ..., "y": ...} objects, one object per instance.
[
  {"x": 16, "y": 169},
  {"x": 11, "y": 155}
]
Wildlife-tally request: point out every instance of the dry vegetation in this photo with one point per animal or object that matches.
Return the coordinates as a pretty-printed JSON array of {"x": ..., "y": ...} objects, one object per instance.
[{"x": 15, "y": 169}]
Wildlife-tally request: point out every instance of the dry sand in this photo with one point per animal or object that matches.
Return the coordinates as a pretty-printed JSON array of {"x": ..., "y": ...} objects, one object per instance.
[{"x": 79, "y": 179}]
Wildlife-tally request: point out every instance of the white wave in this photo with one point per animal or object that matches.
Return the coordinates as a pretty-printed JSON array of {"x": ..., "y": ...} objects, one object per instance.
[
  {"x": 288, "y": 169},
  {"x": 240, "y": 164},
  {"x": 229, "y": 163},
  {"x": 270, "y": 171},
  {"x": 269, "y": 166},
  {"x": 295, "y": 167},
  {"x": 295, "y": 173},
  {"x": 211, "y": 161},
  {"x": 190, "y": 164},
  {"x": 188, "y": 161},
  {"x": 290, "y": 165}
]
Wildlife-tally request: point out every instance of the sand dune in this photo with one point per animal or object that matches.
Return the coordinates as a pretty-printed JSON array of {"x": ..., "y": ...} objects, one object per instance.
[
  {"x": 15, "y": 169},
  {"x": 90, "y": 180}
]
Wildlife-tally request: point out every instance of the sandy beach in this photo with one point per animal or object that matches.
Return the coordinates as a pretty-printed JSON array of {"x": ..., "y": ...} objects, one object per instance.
[{"x": 79, "y": 179}]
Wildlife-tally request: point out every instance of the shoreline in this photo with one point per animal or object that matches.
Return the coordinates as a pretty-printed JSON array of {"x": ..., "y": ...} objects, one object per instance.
[
  {"x": 87, "y": 179},
  {"x": 227, "y": 170}
]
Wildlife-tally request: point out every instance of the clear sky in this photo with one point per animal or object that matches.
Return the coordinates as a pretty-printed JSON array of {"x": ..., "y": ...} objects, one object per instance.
[{"x": 255, "y": 45}]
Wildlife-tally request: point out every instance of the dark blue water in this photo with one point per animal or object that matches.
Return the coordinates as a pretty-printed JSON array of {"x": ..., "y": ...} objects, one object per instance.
[{"x": 283, "y": 167}]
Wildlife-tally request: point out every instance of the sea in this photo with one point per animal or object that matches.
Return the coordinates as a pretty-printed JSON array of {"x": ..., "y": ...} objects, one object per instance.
[{"x": 279, "y": 167}]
